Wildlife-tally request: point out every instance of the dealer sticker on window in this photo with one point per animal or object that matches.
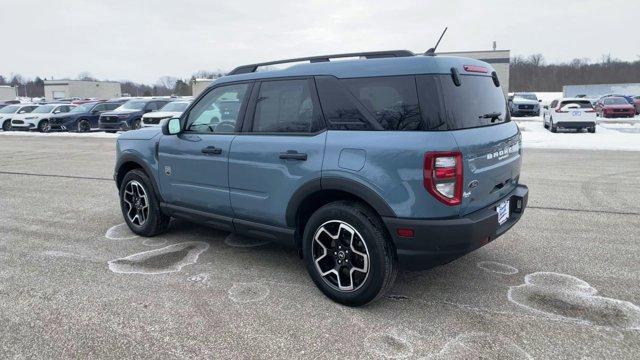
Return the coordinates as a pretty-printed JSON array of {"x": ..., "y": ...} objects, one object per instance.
[{"x": 503, "y": 212}]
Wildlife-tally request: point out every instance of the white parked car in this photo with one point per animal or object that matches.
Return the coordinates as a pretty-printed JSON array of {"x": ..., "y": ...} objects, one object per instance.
[
  {"x": 172, "y": 109},
  {"x": 38, "y": 119},
  {"x": 569, "y": 113},
  {"x": 10, "y": 111}
]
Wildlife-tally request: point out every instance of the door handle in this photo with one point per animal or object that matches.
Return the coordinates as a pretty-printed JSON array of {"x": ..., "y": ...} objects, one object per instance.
[
  {"x": 293, "y": 155},
  {"x": 212, "y": 150}
]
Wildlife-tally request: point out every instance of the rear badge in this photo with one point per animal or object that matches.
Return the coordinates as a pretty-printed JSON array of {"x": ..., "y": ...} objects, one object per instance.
[
  {"x": 473, "y": 184},
  {"x": 167, "y": 170}
]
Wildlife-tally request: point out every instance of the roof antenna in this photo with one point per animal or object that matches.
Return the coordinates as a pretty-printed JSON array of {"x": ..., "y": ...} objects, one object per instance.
[{"x": 432, "y": 51}]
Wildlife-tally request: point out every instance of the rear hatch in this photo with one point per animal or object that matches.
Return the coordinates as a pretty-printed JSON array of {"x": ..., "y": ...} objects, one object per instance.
[
  {"x": 576, "y": 111},
  {"x": 476, "y": 112}
]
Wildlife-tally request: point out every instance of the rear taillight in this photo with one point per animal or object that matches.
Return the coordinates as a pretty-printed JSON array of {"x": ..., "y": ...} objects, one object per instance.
[
  {"x": 590, "y": 111},
  {"x": 443, "y": 176}
]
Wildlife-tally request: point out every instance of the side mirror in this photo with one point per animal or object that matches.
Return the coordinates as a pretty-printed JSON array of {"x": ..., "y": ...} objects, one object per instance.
[
  {"x": 171, "y": 127},
  {"x": 539, "y": 100}
]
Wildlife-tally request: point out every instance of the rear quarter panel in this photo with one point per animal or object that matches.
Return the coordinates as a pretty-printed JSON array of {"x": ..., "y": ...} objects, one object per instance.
[{"x": 391, "y": 164}]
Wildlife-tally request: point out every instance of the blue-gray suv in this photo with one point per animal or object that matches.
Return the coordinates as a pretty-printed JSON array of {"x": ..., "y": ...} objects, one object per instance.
[{"x": 365, "y": 165}]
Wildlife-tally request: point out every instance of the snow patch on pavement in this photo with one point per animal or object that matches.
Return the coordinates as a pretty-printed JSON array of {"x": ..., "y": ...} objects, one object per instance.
[
  {"x": 566, "y": 297},
  {"x": 496, "y": 267},
  {"x": 120, "y": 232},
  {"x": 168, "y": 259}
]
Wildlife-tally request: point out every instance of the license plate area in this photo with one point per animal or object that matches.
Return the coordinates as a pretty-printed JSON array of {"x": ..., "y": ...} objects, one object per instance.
[{"x": 503, "y": 212}]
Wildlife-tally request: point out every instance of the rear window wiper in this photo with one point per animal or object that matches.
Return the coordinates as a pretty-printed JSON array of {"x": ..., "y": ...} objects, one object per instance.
[{"x": 494, "y": 116}]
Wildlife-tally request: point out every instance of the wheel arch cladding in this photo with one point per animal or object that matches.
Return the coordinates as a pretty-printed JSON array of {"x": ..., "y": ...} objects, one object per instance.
[
  {"x": 317, "y": 193},
  {"x": 127, "y": 163}
]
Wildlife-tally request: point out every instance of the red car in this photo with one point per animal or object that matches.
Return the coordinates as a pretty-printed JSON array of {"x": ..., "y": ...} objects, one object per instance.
[{"x": 615, "y": 107}]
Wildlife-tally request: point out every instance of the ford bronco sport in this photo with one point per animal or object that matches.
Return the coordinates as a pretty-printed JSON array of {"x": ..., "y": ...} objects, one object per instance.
[{"x": 392, "y": 159}]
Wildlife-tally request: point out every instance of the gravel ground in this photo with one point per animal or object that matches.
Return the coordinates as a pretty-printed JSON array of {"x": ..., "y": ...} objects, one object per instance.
[{"x": 74, "y": 282}]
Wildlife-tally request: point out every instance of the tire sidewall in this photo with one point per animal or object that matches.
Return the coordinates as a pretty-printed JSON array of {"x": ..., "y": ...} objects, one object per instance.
[
  {"x": 148, "y": 228},
  {"x": 373, "y": 240},
  {"x": 79, "y": 127}
]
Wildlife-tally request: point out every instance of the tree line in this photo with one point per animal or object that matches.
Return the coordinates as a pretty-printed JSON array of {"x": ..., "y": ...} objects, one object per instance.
[{"x": 532, "y": 73}]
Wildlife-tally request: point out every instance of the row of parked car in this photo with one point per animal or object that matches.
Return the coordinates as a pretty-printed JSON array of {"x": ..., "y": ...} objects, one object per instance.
[
  {"x": 606, "y": 106},
  {"x": 89, "y": 115}
]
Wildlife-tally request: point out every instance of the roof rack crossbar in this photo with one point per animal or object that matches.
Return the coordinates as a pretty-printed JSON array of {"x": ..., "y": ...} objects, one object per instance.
[{"x": 244, "y": 69}]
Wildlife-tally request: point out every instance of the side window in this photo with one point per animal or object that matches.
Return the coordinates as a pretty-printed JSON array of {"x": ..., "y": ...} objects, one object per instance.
[
  {"x": 100, "y": 107},
  {"x": 61, "y": 109},
  {"x": 393, "y": 101},
  {"x": 553, "y": 104},
  {"x": 109, "y": 107},
  {"x": 339, "y": 107},
  {"x": 218, "y": 110},
  {"x": 152, "y": 106},
  {"x": 286, "y": 106}
]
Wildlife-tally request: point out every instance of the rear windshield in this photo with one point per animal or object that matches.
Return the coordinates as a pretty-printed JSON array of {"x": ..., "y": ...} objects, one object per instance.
[
  {"x": 584, "y": 104},
  {"x": 476, "y": 102}
]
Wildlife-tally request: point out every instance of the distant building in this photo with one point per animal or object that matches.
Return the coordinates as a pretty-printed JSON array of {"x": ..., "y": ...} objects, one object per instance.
[
  {"x": 597, "y": 90},
  {"x": 8, "y": 92},
  {"x": 64, "y": 89},
  {"x": 198, "y": 86},
  {"x": 499, "y": 59}
]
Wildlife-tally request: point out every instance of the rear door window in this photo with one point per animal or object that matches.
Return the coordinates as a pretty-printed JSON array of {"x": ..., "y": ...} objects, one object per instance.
[
  {"x": 476, "y": 102},
  {"x": 393, "y": 101}
]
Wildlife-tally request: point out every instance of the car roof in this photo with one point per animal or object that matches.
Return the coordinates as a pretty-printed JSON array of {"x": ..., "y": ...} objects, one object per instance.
[{"x": 390, "y": 66}]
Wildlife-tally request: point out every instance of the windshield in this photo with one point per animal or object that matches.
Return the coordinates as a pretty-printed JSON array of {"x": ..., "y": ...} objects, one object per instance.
[
  {"x": 175, "y": 106},
  {"x": 133, "y": 105},
  {"x": 9, "y": 109},
  {"x": 527, "y": 96},
  {"x": 43, "y": 109},
  {"x": 615, "y": 101},
  {"x": 82, "y": 108}
]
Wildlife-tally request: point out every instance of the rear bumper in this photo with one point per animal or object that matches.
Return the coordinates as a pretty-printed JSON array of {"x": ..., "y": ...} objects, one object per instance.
[
  {"x": 437, "y": 242},
  {"x": 575, "y": 124}
]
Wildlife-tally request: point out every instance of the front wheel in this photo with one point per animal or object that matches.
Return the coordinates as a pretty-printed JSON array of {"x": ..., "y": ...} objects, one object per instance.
[
  {"x": 592, "y": 129},
  {"x": 84, "y": 126},
  {"x": 43, "y": 126},
  {"x": 348, "y": 253},
  {"x": 136, "y": 124},
  {"x": 6, "y": 126},
  {"x": 140, "y": 206}
]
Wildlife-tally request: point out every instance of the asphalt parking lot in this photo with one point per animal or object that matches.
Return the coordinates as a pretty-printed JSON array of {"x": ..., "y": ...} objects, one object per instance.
[{"x": 73, "y": 283}]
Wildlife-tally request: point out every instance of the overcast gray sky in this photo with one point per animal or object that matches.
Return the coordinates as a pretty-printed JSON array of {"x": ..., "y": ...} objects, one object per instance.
[{"x": 144, "y": 40}]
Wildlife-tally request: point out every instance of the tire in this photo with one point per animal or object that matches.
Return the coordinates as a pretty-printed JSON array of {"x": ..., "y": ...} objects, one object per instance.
[
  {"x": 43, "y": 126},
  {"x": 111, "y": 131},
  {"x": 83, "y": 126},
  {"x": 136, "y": 124},
  {"x": 6, "y": 126},
  {"x": 346, "y": 218},
  {"x": 553, "y": 128},
  {"x": 592, "y": 130},
  {"x": 137, "y": 185}
]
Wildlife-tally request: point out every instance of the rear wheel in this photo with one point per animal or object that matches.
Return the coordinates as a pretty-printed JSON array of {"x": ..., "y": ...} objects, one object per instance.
[
  {"x": 140, "y": 206},
  {"x": 6, "y": 126},
  {"x": 592, "y": 129},
  {"x": 553, "y": 128},
  {"x": 348, "y": 253}
]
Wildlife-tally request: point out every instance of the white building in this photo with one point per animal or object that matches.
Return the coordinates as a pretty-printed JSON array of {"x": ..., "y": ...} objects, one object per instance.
[
  {"x": 597, "y": 90},
  {"x": 499, "y": 59},
  {"x": 198, "y": 86},
  {"x": 61, "y": 89},
  {"x": 8, "y": 92}
]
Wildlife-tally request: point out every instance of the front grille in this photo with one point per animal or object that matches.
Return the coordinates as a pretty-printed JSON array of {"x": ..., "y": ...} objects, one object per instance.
[
  {"x": 621, "y": 110},
  {"x": 109, "y": 119},
  {"x": 17, "y": 122},
  {"x": 525, "y": 107}
]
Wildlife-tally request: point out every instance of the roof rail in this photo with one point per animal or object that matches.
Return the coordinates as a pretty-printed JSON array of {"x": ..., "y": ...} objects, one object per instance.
[{"x": 244, "y": 69}]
